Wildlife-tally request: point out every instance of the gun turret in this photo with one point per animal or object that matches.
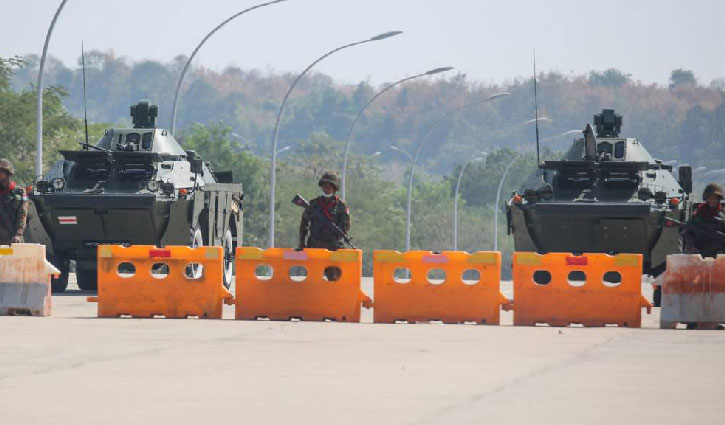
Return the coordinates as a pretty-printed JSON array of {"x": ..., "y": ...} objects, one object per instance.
[
  {"x": 608, "y": 123},
  {"x": 144, "y": 115}
]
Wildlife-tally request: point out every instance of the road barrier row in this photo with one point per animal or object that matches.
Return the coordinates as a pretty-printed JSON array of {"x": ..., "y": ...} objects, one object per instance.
[
  {"x": 693, "y": 291},
  {"x": 558, "y": 289},
  {"x": 25, "y": 280}
]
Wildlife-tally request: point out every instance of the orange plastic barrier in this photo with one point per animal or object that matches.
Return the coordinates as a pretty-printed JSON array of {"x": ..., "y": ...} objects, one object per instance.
[
  {"x": 592, "y": 289},
  {"x": 693, "y": 291},
  {"x": 146, "y": 281},
  {"x": 272, "y": 284},
  {"x": 422, "y": 286}
]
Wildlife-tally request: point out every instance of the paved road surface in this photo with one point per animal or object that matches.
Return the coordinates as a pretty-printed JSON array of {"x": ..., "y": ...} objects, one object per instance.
[{"x": 75, "y": 369}]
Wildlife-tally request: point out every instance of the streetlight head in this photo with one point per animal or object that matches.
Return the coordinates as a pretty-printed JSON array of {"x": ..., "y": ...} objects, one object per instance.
[
  {"x": 497, "y": 95},
  {"x": 378, "y": 153},
  {"x": 385, "y": 35},
  {"x": 439, "y": 70}
]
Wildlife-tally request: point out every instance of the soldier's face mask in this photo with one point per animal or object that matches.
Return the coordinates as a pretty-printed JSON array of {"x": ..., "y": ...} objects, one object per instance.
[{"x": 327, "y": 190}]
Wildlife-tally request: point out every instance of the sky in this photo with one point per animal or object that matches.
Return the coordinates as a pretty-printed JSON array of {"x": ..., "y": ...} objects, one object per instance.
[{"x": 489, "y": 41}]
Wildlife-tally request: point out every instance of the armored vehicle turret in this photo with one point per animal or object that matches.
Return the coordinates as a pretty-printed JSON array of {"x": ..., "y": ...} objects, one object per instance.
[
  {"x": 606, "y": 195},
  {"x": 134, "y": 186}
]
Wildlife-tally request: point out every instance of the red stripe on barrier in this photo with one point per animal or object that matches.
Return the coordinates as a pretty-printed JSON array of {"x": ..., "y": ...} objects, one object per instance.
[
  {"x": 159, "y": 253},
  {"x": 576, "y": 261}
]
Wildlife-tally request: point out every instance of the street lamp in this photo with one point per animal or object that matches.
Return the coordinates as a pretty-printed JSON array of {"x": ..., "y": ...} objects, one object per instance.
[
  {"x": 196, "y": 50},
  {"x": 455, "y": 204},
  {"x": 556, "y": 136},
  {"x": 420, "y": 147},
  {"x": 498, "y": 198},
  {"x": 362, "y": 110},
  {"x": 39, "y": 104},
  {"x": 404, "y": 152},
  {"x": 279, "y": 117},
  {"x": 284, "y": 149}
]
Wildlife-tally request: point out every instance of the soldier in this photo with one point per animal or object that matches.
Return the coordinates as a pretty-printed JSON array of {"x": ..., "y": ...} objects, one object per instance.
[
  {"x": 707, "y": 219},
  {"x": 13, "y": 206},
  {"x": 314, "y": 233}
]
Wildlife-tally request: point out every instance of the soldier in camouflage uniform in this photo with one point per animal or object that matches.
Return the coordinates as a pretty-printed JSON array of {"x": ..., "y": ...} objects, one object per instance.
[
  {"x": 314, "y": 233},
  {"x": 708, "y": 217},
  {"x": 13, "y": 206}
]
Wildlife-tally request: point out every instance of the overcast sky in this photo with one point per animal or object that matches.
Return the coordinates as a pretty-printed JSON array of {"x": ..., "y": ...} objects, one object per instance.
[{"x": 487, "y": 40}]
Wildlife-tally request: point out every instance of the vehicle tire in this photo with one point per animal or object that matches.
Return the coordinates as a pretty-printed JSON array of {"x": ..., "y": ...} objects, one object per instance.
[
  {"x": 60, "y": 284},
  {"x": 228, "y": 249},
  {"x": 657, "y": 296},
  {"x": 196, "y": 240},
  {"x": 87, "y": 280}
]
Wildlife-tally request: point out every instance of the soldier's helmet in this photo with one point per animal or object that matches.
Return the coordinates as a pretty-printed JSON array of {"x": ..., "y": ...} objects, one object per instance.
[
  {"x": 712, "y": 189},
  {"x": 331, "y": 178},
  {"x": 6, "y": 165}
]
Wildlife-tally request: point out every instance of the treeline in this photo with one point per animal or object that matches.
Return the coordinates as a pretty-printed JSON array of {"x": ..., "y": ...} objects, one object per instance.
[{"x": 682, "y": 121}]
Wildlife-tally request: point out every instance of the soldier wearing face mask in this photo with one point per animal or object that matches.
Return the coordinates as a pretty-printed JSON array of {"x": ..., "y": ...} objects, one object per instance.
[{"x": 313, "y": 232}]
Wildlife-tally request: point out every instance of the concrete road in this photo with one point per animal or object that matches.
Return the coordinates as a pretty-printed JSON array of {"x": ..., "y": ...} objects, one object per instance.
[{"x": 73, "y": 368}]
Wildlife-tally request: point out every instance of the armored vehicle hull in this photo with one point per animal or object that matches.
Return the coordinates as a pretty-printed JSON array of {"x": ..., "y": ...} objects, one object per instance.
[
  {"x": 135, "y": 186},
  {"x": 607, "y": 195}
]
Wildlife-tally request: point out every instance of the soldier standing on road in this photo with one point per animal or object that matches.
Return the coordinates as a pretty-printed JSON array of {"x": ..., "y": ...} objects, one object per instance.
[
  {"x": 314, "y": 233},
  {"x": 709, "y": 218},
  {"x": 13, "y": 206}
]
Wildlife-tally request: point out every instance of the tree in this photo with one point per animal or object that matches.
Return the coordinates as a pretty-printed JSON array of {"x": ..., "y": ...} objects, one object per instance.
[
  {"x": 609, "y": 78},
  {"x": 682, "y": 77},
  {"x": 17, "y": 124}
]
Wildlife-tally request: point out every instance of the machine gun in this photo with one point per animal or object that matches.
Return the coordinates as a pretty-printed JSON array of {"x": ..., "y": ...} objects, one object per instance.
[{"x": 302, "y": 202}]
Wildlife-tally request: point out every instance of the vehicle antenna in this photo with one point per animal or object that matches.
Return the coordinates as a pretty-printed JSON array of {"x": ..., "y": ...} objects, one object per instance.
[
  {"x": 536, "y": 113},
  {"x": 85, "y": 108}
]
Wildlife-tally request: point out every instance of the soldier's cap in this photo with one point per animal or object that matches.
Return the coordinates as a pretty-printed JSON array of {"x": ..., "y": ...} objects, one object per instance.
[
  {"x": 6, "y": 165},
  {"x": 712, "y": 189},
  {"x": 331, "y": 178}
]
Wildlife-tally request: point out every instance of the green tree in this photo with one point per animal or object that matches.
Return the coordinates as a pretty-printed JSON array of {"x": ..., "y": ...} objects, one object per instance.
[
  {"x": 17, "y": 124},
  {"x": 682, "y": 77}
]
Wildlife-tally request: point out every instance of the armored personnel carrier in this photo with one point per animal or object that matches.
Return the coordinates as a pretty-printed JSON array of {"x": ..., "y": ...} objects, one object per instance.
[
  {"x": 134, "y": 186},
  {"x": 607, "y": 195}
]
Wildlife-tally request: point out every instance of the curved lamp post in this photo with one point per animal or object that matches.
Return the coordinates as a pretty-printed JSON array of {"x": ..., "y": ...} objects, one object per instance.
[
  {"x": 196, "y": 50},
  {"x": 455, "y": 204},
  {"x": 362, "y": 110},
  {"x": 420, "y": 147},
  {"x": 498, "y": 198},
  {"x": 273, "y": 164},
  {"x": 39, "y": 105}
]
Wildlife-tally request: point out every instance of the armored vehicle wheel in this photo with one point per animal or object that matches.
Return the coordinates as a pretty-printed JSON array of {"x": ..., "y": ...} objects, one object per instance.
[
  {"x": 87, "y": 280},
  {"x": 196, "y": 239},
  {"x": 61, "y": 283},
  {"x": 228, "y": 247}
]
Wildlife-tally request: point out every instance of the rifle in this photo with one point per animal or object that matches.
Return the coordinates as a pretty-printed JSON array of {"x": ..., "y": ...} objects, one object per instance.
[
  {"x": 697, "y": 229},
  {"x": 302, "y": 202}
]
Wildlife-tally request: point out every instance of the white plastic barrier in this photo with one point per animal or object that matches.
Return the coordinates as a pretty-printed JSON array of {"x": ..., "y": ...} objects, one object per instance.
[
  {"x": 693, "y": 291},
  {"x": 25, "y": 280}
]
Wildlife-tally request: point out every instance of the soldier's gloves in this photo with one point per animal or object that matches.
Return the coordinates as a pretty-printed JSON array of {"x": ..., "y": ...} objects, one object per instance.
[{"x": 16, "y": 239}]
